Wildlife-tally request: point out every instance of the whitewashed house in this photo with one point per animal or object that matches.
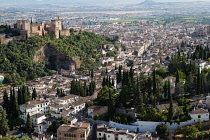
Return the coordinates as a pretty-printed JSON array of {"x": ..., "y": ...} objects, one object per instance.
[
  {"x": 68, "y": 99},
  {"x": 78, "y": 105},
  {"x": 199, "y": 114},
  {"x": 37, "y": 119},
  {"x": 34, "y": 107}
]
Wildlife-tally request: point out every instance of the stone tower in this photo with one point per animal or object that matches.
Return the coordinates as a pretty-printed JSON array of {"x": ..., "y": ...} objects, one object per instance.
[
  {"x": 57, "y": 27},
  {"x": 57, "y": 24},
  {"x": 23, "y": 25}
]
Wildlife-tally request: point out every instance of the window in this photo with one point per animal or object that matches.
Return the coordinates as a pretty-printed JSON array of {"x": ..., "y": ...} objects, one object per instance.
[
  {"x": 206, "y": 114},
  {"x": 108, "y": 136},
  {"x": 199, "y": 116},
  {"x": 99, "y": 134}
]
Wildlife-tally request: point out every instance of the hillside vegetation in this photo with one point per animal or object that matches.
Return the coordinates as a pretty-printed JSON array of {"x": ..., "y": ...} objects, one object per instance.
[{"x": 17, "y": 57}]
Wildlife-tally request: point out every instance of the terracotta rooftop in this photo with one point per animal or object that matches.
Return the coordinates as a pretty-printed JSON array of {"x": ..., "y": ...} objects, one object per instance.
[
  {"x": 76, "y": 129},
  {"x": 69, "y": 97},
  {"x": 199, "y": 111},
  {"x": 37, "y": 115},
  {"x": 99, "y": 110}
]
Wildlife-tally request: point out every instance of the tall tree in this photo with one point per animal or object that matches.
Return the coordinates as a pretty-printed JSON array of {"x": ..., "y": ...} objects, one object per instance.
[
  {"x": 139, "y": 101},
  {"x": 169, "y": 89},
  {"x": 154, "y": 87},
  {"x": 6, "y": 104},
  {"x": 4, "y": 123},
  {"x": 92, "y": 73},
  {"x": 165, "y": 89},
  {"x": 34, "y": 94},
  {"x": 14, "y": 105},
  {"x": 170, "y": 110},
  {"x": 29, "y": 127},
  {"x": 110, "y": 106},
  {"x": 198, "y": 88},
  {"x": 20, "y": 97}
]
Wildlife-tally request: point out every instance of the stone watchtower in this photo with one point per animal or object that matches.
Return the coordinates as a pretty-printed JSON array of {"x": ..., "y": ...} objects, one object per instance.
[
  {"x": 23, "y": 25},
  {"x": 57, "y": 27}
]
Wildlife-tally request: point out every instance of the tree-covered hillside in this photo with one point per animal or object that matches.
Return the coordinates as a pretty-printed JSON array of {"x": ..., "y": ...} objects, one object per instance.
[{"x": 16, "y": 59}]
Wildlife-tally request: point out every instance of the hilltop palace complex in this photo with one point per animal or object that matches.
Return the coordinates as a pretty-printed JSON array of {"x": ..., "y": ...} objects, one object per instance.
[
  {"x": 28, "y": 29},
  {"x": 32, "y": 29}
]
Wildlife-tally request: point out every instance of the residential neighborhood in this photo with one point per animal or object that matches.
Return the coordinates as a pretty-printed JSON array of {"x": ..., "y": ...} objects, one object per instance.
[{"x": 99, "y": 76}]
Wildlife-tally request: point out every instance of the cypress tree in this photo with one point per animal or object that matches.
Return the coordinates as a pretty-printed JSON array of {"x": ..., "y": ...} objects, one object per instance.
[
  {"x": 131, "y": 73},
  {"x": 154, "y": 88},
  {"x": 73, "y": 86},
  {"x": 6, "y": 104},
  {"x": 170, "y": 110},
  {"x": 154, "y": 82},
  {"x": 15, "y": 107},
  {"x": 106, "y": 71},
  {"x": 24, "y": 95},
  {"x": 29, "y": 127},
  {"x": 92, "y": 73},
  {"x": 34, "y": 94},
  {"x": 139, "y": 98},
  {"x": 198, "y": 89},
  {"x": 110, "y": 107},
  {"x": 12, "y": 99},
  {"x": 165, "y": 88},
  {"x": 4, "y": 123},
  {"x": 169, "y": 89},
  {"x": 20, "y": 98},
  {"x": 120, "y": 74},
  {"x": 112, "y": 82},
  {"x": 85, "y": 89},
  {"x": 28, "y": 94},
  {"x": 104, "y": 82},
  {"x": 177, "y": 77}
]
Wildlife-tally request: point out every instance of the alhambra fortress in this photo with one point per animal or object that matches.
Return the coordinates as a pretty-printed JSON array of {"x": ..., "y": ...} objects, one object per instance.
[{"x": 28, "y": 29}]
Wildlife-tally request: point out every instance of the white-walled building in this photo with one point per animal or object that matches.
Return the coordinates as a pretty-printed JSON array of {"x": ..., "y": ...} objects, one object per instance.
[
  {"x": 68, "y": 99},
  {"x": 199, "y": 114},
  {"x": 37, "y": 118},
  {"x": 111, "y": 133},
  {"x": 34, "y": 107},
  {"x": 78, "y": 105}
]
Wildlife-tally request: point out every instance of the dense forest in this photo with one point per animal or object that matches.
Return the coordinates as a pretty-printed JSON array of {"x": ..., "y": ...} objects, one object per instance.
[{"x": 16, "y": 61}]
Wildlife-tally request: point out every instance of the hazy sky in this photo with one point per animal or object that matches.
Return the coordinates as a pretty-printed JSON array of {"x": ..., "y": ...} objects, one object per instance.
[{"x": 86, "y": 2}]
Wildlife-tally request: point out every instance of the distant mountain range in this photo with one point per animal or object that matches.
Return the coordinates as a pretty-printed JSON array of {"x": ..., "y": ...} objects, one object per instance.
[
  {"x": 148, "y": 2},
  {"x": 107, "y": 4},
  {"x": 89, "y": 2}
]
